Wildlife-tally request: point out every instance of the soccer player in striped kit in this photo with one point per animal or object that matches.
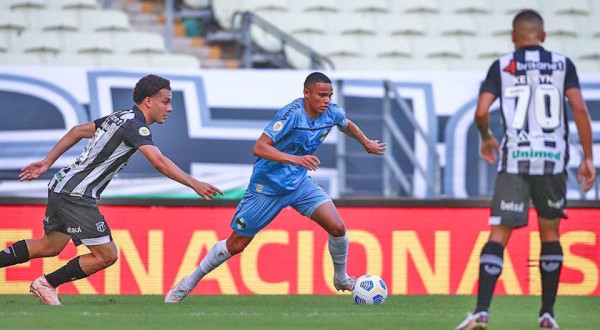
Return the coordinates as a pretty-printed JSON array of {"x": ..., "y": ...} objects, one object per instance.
[
  {"x": 531, "y": 83},
  {"x": 73, "y": 193}
]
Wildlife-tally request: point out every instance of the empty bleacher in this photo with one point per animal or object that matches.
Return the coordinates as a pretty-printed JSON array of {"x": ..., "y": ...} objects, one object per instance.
[
  {"x": 436, "y": 34},
  {"x": 353, "y": 34},
  {"x": 79, "y": 33}
]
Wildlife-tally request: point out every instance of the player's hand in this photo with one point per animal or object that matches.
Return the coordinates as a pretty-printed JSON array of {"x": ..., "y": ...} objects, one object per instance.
[
  {"x": 34, "y": 170},
  {"x": 206, "y": 190},
  {"x": 587, "y": 171},
  {"x": 489, "y": 149},
  {"x": 375, "y": 147},
  {"x": 311, "y": 162}
]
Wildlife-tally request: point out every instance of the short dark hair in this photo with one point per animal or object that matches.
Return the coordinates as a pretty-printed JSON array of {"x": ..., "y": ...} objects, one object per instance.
[
  {"x": 150, "y": 85},
  {"x": 314, "y": 78},
  {"x": 528, "y": 15}
]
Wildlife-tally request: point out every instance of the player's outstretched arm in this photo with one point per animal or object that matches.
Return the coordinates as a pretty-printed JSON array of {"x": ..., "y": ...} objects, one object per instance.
[
  {"x": 371, "y": 146},
  {"x": 166, "y": 166},
  {"x": 587, "y": 170},
  {"x": 489, "y": 148},
  {"x": 74, "y": 135}
]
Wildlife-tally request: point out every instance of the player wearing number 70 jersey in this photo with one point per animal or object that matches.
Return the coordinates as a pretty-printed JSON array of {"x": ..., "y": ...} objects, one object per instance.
[{"x": 532, "y": 84}]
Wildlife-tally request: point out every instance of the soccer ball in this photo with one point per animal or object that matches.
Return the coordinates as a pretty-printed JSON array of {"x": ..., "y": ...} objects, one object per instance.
[{"x": 369, "y": 290}]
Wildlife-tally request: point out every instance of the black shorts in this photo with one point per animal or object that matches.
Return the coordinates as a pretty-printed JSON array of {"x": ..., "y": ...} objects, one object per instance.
[
  {"x": 510, "y": 204},
  {"x": 78, "y": 217}
]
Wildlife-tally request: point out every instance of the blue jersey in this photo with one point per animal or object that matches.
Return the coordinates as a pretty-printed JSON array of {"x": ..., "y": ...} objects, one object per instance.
[{"x": 294, "y": 132}]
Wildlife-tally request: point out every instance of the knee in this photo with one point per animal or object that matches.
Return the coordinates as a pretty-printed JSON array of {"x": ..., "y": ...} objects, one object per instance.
[
  {"x": 111, "y": 260},
  {"x": 107, "y": 260},
  {"x": 338, "y": 230}
]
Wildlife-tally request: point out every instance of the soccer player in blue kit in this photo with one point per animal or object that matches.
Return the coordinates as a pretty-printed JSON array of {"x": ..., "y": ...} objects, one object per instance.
[{"x": 279, "y": 179}]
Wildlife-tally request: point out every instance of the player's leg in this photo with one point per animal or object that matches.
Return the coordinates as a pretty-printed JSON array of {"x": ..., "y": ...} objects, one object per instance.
[
  {"x": 312, "y": 201},
  {"x": 329, "y": 219},
  {"x": 551, "y": 260},
  {"x": 548, "y": 196},
  {"x": 218, "y": 254},
  {"x": 491, "y": 261},
  {"x": 253, "y": 213},
  {"x": 80, "y": 218},
  {"x": 49, "y": 245},
  {"x": 509, "y": 210}
]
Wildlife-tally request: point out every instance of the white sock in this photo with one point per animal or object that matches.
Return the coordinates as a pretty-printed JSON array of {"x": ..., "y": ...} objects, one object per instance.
[
  {"x": 217, "y": 255},
  {"x": 338, "y": 248}
]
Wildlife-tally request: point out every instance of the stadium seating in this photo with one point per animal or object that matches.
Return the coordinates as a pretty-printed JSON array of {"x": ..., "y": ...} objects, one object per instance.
[
  {"x": 78, "y": 33},
  {"x": 438, "y": 31},
  {"x": 75, "y": 4},
  {"x": 427, "y": 31}
]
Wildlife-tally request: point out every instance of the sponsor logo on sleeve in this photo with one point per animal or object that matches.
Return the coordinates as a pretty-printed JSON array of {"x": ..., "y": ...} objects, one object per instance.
[{"x": 278, "y": 126}]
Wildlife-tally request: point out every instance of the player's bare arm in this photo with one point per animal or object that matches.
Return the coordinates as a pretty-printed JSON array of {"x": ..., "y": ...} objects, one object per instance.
[
  {"x": 371, "y": 146},
  {"x": 166, "y": 166},
  {"x": 73, "y": 136},
  {"x": 489, "y": 145},
  {"x": 264, "y": 148},
  {"x": 587, "y": 170}
]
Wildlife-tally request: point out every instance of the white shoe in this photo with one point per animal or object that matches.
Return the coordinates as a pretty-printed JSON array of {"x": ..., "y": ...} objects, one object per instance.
[
  {"x": 546, "y": 321},
  {"x": 344, "y": 285},
  {"x": 474, "y": 321},
  {"x": 43, "y": 290},
  {"x": 177, "y": 293}
]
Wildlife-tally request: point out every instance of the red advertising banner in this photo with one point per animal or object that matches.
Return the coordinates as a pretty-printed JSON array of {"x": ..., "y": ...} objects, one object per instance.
[{"x": 415, "y": 250}]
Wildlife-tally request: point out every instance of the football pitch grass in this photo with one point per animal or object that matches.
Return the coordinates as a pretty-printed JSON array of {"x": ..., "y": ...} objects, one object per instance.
[{"x": 284, "y": 312}]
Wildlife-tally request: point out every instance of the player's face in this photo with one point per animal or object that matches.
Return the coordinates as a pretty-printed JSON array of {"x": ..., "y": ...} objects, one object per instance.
[
  {"x": 317, "y": 98},
  {"x": 160, "y": 106}
]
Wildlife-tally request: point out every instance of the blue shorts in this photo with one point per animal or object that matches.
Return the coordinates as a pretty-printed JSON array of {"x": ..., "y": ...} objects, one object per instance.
[{"x": 255, "y": 211}]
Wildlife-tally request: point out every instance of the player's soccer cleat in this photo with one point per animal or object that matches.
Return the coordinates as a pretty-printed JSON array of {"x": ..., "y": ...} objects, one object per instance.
[
  {"x": 43, "y": 290},
  {"x": 177, "y": 293},
  {"x": 546, "y": 321},
  {"x": 345, "y": 284},
  {"x": 475, "y": 321}
]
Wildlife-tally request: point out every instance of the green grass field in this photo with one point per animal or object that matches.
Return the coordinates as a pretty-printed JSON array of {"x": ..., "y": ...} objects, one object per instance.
[{"x": 283, "y": 312}]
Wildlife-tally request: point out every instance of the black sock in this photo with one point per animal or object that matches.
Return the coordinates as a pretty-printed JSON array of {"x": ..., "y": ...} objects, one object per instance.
[
  {"x": 70, "y": 272},
  {"x": 14, "y": 254},
  {"x": 490, "y": 267},
  {"x": 551, "y": 260}
]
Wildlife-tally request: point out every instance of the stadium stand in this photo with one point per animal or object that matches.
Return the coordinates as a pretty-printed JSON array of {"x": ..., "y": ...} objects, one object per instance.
[{"x": 428, "y": 34}]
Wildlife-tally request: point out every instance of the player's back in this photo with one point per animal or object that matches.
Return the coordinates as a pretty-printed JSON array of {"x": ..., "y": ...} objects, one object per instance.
[{"x": 531, "y": 83}]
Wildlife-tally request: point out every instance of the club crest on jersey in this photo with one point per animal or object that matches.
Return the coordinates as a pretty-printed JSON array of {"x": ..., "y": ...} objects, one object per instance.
[
  {"x": 144, "y": 131},
  {"x": 278, "y": 126}
]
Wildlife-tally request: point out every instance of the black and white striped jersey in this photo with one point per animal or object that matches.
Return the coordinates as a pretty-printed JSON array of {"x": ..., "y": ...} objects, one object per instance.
[
  {"x": 531, "y": 84},
  {"x": 117, "y": 138}
]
